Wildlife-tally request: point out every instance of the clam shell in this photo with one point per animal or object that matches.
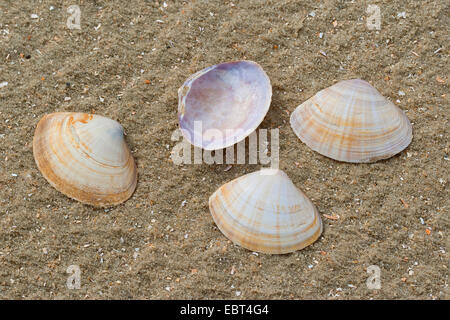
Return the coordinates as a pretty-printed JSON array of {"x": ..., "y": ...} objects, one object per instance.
[
  {"x": 233, "y": 96},
  {"x": 265, "y": 212},
  {"x": 85, "y": 157},
  {"x": 352, "y": 122}
]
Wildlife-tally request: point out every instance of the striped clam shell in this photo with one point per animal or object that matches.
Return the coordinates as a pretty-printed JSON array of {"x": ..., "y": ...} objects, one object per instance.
[
  {"x": 265, "y": 212},
  {"x": 85, "y": 157},
  {"x": 352, "y": 122},
  {"x": 222, "y": 104}
]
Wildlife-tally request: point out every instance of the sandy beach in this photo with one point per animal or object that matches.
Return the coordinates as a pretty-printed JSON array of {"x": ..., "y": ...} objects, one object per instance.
[{"x": 127, "y": 61}]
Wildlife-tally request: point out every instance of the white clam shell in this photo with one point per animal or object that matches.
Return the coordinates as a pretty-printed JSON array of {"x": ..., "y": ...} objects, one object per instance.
[
  {"x": 265, "y": 212},
  {"x": 352, "y": 122},
  {"x": 222, "y": 104},
  {"x": 85, "y": 157}
]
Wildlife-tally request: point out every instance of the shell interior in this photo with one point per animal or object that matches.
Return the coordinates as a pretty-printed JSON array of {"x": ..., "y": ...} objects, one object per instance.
[{"x": 222, "y": 104}]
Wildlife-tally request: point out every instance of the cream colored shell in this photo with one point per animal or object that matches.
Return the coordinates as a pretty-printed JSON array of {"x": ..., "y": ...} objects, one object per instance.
[
  {"x": 351, "y": 121},
  {"x": 265, "y": 212},
  {"x": 85, "y": 157}
]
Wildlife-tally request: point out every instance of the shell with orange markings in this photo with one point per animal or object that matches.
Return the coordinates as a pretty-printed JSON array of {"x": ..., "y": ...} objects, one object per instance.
[
  {"x": 85, "y": 157},
  {"x": 265, "y": 212},
  {"x": 352, "y": 122}
]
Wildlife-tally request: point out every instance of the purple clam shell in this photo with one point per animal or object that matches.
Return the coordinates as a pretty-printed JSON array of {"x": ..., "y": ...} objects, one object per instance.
[{"x": 222, "y": 104}]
